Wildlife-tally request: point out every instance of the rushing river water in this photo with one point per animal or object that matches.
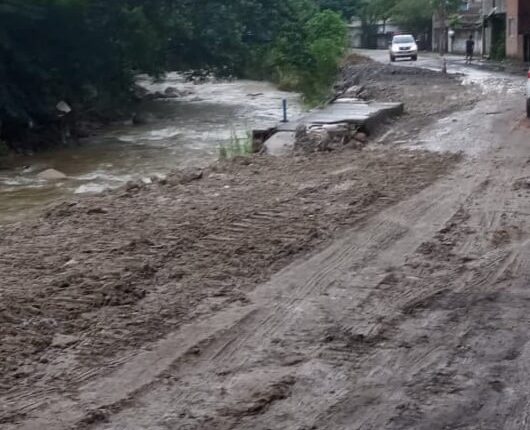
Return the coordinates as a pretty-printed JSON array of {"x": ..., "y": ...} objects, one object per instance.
[{"x": 179, "y": 132}]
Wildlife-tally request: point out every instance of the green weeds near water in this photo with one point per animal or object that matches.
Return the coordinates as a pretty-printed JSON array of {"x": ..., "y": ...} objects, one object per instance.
[{"x": 236, "y": 146}]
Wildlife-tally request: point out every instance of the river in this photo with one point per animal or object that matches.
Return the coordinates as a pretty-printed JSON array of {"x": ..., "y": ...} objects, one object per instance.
[{"x": 179, "y": 132}]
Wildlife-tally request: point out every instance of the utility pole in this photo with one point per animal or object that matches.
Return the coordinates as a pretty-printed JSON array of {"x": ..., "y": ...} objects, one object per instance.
[{"x": 442, "y": 16}]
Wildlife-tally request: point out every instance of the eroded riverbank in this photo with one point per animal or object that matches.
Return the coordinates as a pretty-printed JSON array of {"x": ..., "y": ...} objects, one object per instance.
[{"x": 177, "y": 132}]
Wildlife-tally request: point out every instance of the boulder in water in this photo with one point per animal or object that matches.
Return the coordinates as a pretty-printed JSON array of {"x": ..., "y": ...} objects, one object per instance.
[
  {"x": 51, "y": 175},
  {"x": 139, "y": 119},
  {"x": 63, "y": 108},
  {"x": 172, "y": 92}
]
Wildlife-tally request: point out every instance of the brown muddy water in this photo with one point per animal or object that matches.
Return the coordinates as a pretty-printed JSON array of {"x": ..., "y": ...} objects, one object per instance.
[{"x": 179, "y": 132}]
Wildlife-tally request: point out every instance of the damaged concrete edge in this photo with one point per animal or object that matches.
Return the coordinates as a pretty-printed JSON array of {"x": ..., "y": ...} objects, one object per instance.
[{"x": 347, "y": 114}]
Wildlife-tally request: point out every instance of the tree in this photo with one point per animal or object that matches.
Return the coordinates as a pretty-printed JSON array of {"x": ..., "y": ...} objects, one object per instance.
[
  {"x": 414, "y": 15},
  {"x": 347, "y": 8},
  {"x": 87, "y": 52},
  {"x": 84, "y": 52}
]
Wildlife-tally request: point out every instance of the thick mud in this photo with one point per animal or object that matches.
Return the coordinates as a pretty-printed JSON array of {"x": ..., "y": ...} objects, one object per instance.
[
  {"x": 100, "y": 275},
  {"x": 375, "y": 288},
  {"x": 427, "y": 95}
]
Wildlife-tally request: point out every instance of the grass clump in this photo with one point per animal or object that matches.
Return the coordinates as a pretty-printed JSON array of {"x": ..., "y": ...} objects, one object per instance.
[{"x": 236, "y": 146}]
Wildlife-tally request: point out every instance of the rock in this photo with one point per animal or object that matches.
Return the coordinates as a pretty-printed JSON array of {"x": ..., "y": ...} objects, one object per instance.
[
  {"x": 522, "y": 184},
  {"x": 185, "y": 176},
  {"x": 337, "y": 131},
  {"x": 319, "y": 138},
  {"x": 63, "y": 341},
  {"x": 133, "y": 186},
  {"x": 51, "y": 175},
  {"x": 281, "y": 143},
  {"x": 172, "y": 92},
  {"x": 353, "y": 145},
  {"x": 63, "y": 108},
  {"x": 140, "y": 92},
  {"x": 361, "y": 137},
  {"x": 138, "y": 119},
  {"x": 24, "y": 371},
  {"x": 96, "y": 210},
  {"x": 353, "y": 92},
  {"x": 314, "y": 139}
]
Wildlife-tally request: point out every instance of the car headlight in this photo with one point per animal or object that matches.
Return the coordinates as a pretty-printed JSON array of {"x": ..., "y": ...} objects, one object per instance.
[
  {"x": 414, "y": 47},
  {"x": 395, "y": 49}
]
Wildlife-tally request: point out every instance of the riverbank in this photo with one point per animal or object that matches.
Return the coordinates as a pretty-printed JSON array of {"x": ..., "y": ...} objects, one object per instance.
[{"x": 180, "y": 131}]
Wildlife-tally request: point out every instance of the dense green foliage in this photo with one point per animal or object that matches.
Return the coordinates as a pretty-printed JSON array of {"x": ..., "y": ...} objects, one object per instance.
[
  {"x": 305, "y": 59},
  {"x": 415, "y": 15},
  {"x": 86, "y": 52}
]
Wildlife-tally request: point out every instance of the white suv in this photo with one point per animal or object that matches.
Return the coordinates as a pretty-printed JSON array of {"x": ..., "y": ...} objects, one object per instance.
[{"x": 402, "y": 46}]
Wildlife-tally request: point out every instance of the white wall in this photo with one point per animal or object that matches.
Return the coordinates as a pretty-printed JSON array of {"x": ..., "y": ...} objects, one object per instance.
[{"x": 458, "y": 45}]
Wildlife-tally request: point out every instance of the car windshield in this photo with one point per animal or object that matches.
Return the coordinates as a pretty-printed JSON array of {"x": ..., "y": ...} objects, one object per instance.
[{"x": 403, "y": 39}]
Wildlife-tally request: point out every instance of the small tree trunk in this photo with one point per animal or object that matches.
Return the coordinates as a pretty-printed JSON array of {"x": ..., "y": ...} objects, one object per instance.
[{"x": 441, "y": 40}]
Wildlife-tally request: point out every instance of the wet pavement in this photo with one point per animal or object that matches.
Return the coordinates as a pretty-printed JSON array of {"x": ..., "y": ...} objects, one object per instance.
[
  {"x": 486, "y": 80},
  {"x": 497, "y": 95}
]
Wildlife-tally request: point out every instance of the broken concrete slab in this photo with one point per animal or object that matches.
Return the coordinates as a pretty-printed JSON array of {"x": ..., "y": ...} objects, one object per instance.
[
  {"x": 280, "y": 143},
  {"x": 361, "y": 114},
  {"x": 347, "y": 113}
]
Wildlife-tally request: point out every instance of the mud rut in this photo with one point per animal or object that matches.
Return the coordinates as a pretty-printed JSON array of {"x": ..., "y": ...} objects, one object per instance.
[
  {"x": 97, "y": 279},
  {"x": 416, "y": 316},
  {"x": 383, "y": 329}
]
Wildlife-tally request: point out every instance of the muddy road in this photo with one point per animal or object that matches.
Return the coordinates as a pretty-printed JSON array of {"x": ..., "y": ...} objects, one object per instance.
[{"x": 382, "y": 288}]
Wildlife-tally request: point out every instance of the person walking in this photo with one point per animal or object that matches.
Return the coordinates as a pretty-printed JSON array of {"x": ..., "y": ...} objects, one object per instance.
[{"x": 470, "y": 48}]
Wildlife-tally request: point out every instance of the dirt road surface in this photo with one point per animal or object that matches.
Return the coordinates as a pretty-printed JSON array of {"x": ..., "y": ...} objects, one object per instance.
[{"x": 386, "y": 288}]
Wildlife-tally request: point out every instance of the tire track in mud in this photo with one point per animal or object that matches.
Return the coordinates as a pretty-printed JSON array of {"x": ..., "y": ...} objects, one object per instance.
[
  {"x": 382, "y": 369},
  {"x": 310, "y": 329},
  {"x": 359, "y": 334},
  {"x": 225, "y": 246},
  {"x": 315, "y": 339},
  {"x": 458, "y": 356}
]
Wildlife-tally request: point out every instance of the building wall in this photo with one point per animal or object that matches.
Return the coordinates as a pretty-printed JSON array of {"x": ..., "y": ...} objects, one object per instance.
[
  {"x": 513, "y": 38},
  {"x": 488, "y": 6},
  {"x": 457, "y": 44}
]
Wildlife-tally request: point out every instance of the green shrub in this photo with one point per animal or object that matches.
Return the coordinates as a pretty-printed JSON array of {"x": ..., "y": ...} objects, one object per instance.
[
  {"x": 307, "y": 58},
  {"x": 236, "y": 146}
]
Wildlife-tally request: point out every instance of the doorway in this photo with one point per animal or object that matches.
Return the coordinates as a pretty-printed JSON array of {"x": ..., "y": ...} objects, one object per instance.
[{"x": 526, "y": 48}]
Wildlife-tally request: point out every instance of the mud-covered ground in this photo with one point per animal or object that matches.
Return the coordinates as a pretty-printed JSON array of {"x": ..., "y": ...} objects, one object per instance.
[
  {"x": 427, "y": 95},
  {"x": 375, "y": 288},
  {"x": 104, "y": 274}
]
